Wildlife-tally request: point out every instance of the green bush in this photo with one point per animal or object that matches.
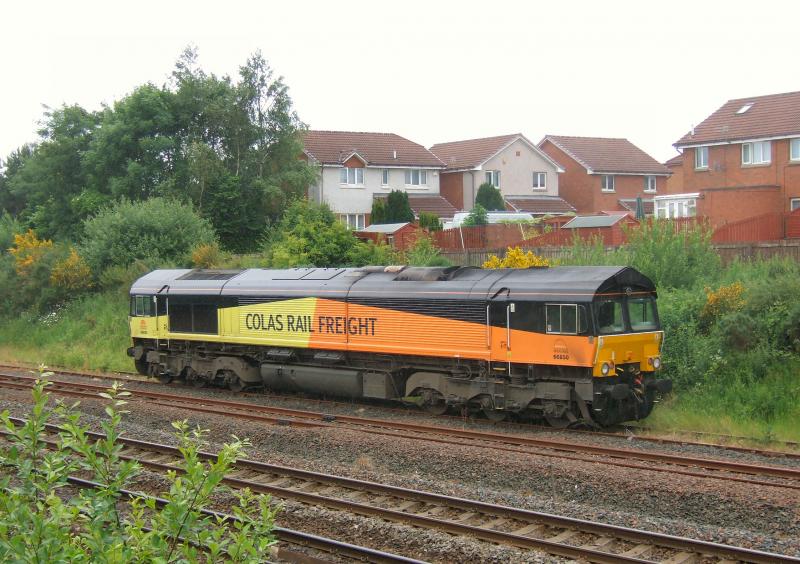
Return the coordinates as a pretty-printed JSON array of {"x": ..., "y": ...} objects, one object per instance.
[
  {"x": 424, "y": 253},
  {"x": 430, "y": 221},
  {"x": 40, "y": 524},
  {"x": 398, "y": 210},
  {"x": 477, "y": 216},
  {"x": 155, "y": 231},
  {"x": 310, "y": 235},
  {"x": 490, "y": 198}
]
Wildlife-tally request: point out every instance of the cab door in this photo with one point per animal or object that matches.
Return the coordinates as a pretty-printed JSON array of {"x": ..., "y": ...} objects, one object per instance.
[{"x": 500, "y": 311}]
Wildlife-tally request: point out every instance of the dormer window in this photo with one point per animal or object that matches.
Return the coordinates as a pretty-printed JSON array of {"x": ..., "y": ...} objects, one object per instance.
[{"x": 351, "y": 176}]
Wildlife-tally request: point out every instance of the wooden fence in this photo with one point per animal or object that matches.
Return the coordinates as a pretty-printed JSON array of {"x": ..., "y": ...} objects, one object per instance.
[{"x": 482, "y": 236}]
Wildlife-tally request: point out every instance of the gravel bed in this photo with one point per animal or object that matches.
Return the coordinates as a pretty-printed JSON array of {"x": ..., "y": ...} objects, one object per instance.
[{"x": 763, "y": 518}]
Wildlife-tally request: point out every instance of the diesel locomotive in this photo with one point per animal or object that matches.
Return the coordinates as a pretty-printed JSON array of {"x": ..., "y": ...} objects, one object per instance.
[{"x": 571, "y": 345}]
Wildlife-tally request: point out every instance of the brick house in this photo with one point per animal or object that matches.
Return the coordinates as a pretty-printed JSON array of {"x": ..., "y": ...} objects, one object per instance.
[
  {"x": 675, "y": 180},
  {"x": 605, "y": 174},
  {"x": 744, "y": 159},
  {"x": 355, "y": 167},
  {"x": 511, "y": 163}
]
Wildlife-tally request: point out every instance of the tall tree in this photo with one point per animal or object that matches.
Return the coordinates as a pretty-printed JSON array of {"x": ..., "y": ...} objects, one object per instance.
[{"x": 490, "y": 197}]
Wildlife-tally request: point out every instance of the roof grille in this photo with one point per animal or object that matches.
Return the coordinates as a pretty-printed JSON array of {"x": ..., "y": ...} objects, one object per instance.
[{"x": 202, "y": 274}]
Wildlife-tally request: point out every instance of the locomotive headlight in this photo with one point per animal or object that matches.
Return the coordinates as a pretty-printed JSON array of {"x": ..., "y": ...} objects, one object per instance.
[
  {"x": 605, "y": 369},
  {"x": 657, "y": 362}
]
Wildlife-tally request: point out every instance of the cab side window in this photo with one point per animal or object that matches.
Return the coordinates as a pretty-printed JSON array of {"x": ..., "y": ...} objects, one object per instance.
[
  {"x": 566, "y": 319},
  {"x": 142, "y": 306}
]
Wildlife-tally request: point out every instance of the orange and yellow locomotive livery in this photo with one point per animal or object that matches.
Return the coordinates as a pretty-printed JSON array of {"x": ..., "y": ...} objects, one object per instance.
[{"x": 568, "y": 344}]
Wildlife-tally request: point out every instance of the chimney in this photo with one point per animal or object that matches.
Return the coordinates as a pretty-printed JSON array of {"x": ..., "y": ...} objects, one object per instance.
[
  {"x": 394, "y": 154},
  {"x": 692, "y": 131}
]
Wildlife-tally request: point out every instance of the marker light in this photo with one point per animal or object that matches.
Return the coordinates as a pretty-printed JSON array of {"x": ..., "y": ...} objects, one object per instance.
[{"x": 605, "y": 369}]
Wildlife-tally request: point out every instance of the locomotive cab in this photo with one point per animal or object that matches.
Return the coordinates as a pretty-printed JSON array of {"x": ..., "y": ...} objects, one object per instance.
[{"x": 628, "y": 355}]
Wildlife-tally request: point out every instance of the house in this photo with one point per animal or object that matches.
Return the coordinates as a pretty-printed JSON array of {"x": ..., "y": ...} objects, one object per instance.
[
  {"x": 509, "y": 162},
  {"x": 354, "y": 167},
  {"x": 744, "y": 159},
  {"x": 675, "y": 180},
  {"x": 604, "y": 173}
]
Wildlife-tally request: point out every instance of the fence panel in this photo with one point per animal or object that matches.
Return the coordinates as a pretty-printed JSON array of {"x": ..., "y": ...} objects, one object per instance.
[{"x": 766, "y": 227}]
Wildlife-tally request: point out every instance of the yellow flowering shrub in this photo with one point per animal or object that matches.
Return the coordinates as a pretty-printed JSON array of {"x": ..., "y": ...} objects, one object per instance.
[
  {"x": 726, "y": 299},
  {"x": 27, "y": 250},
  {"x": 207, "y": 255},
  {"x": 516, "y": 258},
  {"x": 72, "y": 273}
]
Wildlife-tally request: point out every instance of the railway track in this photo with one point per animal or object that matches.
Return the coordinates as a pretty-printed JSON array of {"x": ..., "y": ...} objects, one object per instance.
[
  {"x": 631, "y": 432},
  {"x": 289, "y": 537},
  {"x": 762, "y": 475},
  {"x": 524, "y": 529}
]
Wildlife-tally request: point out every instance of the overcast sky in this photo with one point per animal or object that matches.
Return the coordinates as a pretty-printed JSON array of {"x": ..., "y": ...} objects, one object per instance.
[{"x": 430, "y": 71}]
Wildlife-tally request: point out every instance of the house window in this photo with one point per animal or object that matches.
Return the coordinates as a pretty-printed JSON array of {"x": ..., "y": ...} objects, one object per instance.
[
  {"x": 607, "y": 182},
  {"x": 493, "y": 178},
  {"x": 416, "y": 177},
  {"x": 351, "y": 176},
  {"x": 794, "y": 149},
  {"x": 539, "y": 180},
  {"x": 354, "y": 221},
  {"x": 385, "y": 177},
  {"x": 759, "y": 152},
  {"x": 701, "y": 158},
  {"x": 650, "y": 183},
  {"x": 794, "y": 204}
]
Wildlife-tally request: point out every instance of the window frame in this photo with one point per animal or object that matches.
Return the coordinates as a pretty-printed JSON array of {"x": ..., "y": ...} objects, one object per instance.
[
  {"x": 351, "y": 220},
  {"x": 623, "y": 311},
  {"x": 493, "y": 177},
  {"x": 701, "y": 158},
  {"x": 752, "y": 150},
  {"x": 653, "y": 311},
  {"x": 794, "y": 149},
  {"x": 581, "y": 320},
  {"x": 385, "y": 177},
  {"x": 344, "y": 174},
  {"x": 647, "y": 179},
  {"x": 539, "y": 175},
  {"x": 792, "y": 202},
  {"x": 604, "y": 183},
  {"x": 422, "y": 177}
]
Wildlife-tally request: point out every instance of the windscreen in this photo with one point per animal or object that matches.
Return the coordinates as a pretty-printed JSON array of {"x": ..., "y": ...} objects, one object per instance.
[{"x": 642, "y": 313}]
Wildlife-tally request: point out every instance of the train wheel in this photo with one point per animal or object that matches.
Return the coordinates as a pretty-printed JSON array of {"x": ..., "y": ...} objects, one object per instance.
[
  {"x": 165, "y": 377},
  {"x": 496, "y": 415},
  {"x": 235, "y": 384},
  {"x": 433, "y": 402},
  {"x": 142, "y": 366}
]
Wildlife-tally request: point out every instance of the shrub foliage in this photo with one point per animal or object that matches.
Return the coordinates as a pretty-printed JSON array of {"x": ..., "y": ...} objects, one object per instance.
[
  {"x": 157, "y": 231},
  {"x": 41, "y": 522}
]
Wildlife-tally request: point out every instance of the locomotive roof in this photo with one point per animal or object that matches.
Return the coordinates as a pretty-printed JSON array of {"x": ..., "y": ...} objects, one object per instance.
[{"x": 566, "y": 283}]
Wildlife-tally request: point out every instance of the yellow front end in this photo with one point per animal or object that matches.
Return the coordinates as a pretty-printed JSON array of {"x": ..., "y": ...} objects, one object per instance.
[
  {"x": 149, "y": 327},
  {"x": 643, "y": 349}
]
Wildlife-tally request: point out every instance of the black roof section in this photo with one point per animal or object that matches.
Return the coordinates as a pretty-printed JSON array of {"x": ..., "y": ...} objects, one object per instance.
[{"x": 564, "y": 283}]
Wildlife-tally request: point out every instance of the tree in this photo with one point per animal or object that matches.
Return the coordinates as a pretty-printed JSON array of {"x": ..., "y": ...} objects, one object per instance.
[
  {"x": 430, "y": 221},
  {"x": 477, "y": 216},
  {"x": 490, "y": 198},
  {"x": 398, "y": 210},
  {"x": 378, "y": 214},
  {"x": 311, "y": 235}
]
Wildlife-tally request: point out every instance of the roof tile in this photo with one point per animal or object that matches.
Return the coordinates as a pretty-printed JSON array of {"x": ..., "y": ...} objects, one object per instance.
[
  {"x": 540, "y": 204},
  {"x": 333, "y": 147},
  {"x": 607, "y": 155},
  {"x": 774, "y": 115},
  {"x": 471, "y": 152},
  {"x": 428, "y": 203}
]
